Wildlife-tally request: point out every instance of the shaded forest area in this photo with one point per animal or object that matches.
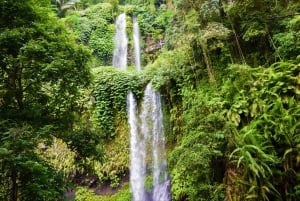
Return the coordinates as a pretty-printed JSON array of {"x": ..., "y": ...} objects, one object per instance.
[{"x": 228, "y": 72}]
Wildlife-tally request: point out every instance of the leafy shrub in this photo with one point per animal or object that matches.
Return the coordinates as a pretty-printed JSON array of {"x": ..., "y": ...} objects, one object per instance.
[
  {"x": 83, "y": 194},
  {"x": 264, "y": 110},
  {"x": 197, "y": 160},
  {"x": 116, "y": 161},
  {"x": 94, "y": 28},
  {"x": 24, "y": 170},
  {"x": 58, "y": 154},
  {"x": 287, "y": 43}
]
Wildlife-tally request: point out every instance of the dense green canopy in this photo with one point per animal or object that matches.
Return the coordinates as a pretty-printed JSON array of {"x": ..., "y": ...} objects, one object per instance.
[
  {"x": 42, "y": 74},
  {"x": 228, "y": 73}
]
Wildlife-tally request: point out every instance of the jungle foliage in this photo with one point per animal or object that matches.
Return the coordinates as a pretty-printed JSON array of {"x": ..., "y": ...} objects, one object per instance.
[
  {"x": 228, "y": 73},
  {"x": 237, "y": 133},
  {"x": 43, "y": 74}
]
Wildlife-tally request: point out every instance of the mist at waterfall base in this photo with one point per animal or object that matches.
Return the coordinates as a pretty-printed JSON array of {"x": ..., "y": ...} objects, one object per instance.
[{"x": 147, "y": 142}]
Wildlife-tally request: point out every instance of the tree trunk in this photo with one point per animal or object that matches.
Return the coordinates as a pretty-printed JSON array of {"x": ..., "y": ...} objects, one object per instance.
[
  {"x": 170, "y": 4},
  {"x": 207, "y": 62},
  {"x": 14, "y": 186},
  {"x": 19, "y": 92},
  {"x": 238, "y": 45}
]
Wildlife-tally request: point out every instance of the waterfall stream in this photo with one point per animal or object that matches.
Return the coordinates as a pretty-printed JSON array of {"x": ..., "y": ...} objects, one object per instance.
[
  {"x": 147, "y": 142},
  {"x": 136, "y": 42},
  {"x": 120, "y": 51},
  {"x": 137, "y": 152},
  {"x": 152, "y": 129}
]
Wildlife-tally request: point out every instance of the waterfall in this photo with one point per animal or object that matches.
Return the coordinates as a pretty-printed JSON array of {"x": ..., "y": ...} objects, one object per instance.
[
  {"x": 137, "y": 152},
  {"x": 152, "y": 128},
  {"x": 147, "y": 142},
  {"x": 120, "y": 51},
  {"x": 136, "y": 42},
  {"x": 137, "y": 139}
]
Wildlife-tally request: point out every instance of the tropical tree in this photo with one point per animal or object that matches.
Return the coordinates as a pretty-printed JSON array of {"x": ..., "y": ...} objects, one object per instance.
[
  {"x": 43, "y": 72},
  {"x": 38, "y": 61},
  {"x": 25, "y": 175}
]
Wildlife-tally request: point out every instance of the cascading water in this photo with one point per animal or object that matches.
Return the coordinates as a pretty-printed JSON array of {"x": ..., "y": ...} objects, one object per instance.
[
  {"x": 120, "y": 51},
  {"x": 136, "y": 42},
  {"x": 152, "y": 129},
  {"x": 137, "y": 139},
  {"x": 137, "y": 152},
  {"x": 146, "y": 128}
]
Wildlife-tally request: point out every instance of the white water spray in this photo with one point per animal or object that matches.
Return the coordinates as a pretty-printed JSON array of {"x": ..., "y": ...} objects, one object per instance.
[
  {"x": 147, "y": 136},
  {"x": 137, "y": 139},
  {"x": 136, "y": 42},
  {"x": 120, "y": 51},
  {"x": 137, "y": 152},
  {"x": 146, "y": 127},
  {"x": 152, "y": 127}
]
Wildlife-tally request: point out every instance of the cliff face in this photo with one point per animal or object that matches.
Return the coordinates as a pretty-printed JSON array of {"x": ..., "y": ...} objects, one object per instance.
[{"x": 152, "y": 46}]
